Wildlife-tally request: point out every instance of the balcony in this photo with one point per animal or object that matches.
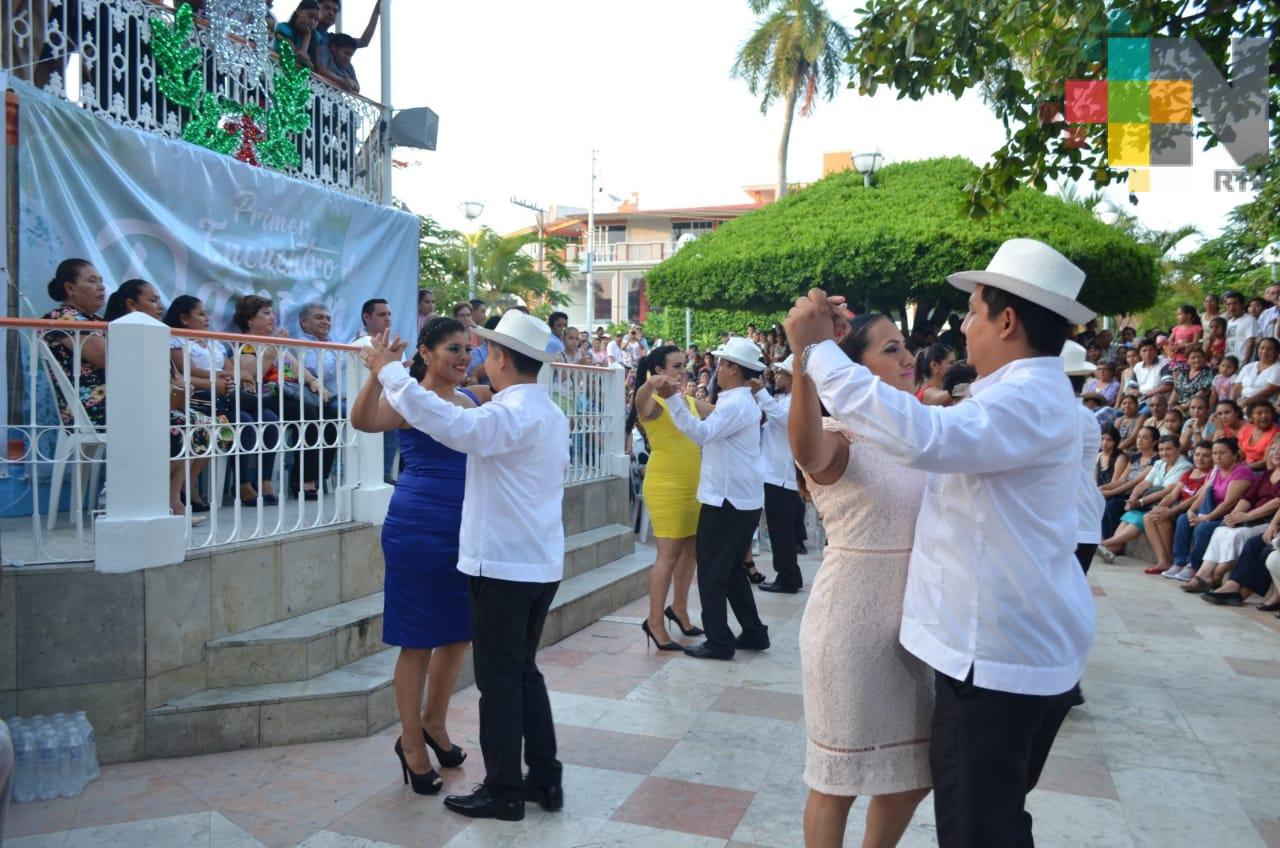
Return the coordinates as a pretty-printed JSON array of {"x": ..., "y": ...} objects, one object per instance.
[
  {"x": 95, "y": 53},
  {"x": 623, "y": 252}
]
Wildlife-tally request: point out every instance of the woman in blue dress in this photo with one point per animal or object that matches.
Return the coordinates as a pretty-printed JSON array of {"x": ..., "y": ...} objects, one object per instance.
[{"x": 427, "y": 605}]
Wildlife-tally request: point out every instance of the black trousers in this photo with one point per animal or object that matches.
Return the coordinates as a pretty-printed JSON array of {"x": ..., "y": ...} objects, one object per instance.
[
  {"x": 724, "y": 537},
  {"x": 987, "y": 753},
  {"x": 507, "y": 619},
  {"x": 1084, "y": 555},
  {"x": 1111, "y": 515},
  {"x": 780, "y": 508}
]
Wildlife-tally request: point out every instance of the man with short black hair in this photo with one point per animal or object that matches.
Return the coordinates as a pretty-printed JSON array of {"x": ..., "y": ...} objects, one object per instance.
[
  {"x": 375, "y": 315},
  {"x": 996, "y": 602},
  {"x": 557, "y": 321},
  {"x": 322, "y": 42},
  {"x": 1152, "y": 372},
  {"x": 478, "y": 307},
  {"x": 342, "y": 48},
  {"x": 1242, "y": 328}
]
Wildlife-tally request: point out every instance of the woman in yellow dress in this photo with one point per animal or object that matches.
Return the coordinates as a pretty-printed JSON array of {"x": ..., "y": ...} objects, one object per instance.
[{"x": 670, "y": 494}]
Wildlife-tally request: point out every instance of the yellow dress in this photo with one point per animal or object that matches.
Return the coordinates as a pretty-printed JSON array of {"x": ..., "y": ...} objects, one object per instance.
[{"x": 671, "y": 477}]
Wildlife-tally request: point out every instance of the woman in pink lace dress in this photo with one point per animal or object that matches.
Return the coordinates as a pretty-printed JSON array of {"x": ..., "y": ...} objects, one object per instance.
[{"x": 868, "y": 704}]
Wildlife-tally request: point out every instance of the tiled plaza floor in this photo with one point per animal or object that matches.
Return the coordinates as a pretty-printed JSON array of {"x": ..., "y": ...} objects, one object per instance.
[{"x": 1179, "y": 745}]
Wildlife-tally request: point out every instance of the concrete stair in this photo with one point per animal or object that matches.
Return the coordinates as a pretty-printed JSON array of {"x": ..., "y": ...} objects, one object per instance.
[{"x": 326, "y": 674}]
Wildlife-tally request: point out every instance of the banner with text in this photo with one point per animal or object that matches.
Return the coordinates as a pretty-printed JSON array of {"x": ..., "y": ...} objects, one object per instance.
[{"x": 191, "y": 221}]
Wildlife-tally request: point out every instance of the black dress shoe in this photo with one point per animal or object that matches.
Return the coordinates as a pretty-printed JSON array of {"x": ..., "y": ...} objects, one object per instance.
[
  {"x": 483, "y": 804},
  {"x": 781, "y": 588},
  {"x": 549, "y": 798},
  {"x": 1223, "y": 599},
  {"x": 801, "y": 549},
  {"x": 706, "y": 652},
  {"x": 758, "y": 641}
]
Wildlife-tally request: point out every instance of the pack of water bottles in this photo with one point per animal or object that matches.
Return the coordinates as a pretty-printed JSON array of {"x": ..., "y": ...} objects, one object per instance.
[{"x": 53, "y": 756}]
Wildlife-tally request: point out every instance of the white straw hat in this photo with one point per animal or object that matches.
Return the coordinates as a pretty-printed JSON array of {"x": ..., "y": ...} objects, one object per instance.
[
  {"x": 1033, "y": 271},
  {"x": 742, "y": 352},
  {"x": 785, "y": 365},
  {"x": 521, "y": 333},
  {"x": 1074, "y": 360}
]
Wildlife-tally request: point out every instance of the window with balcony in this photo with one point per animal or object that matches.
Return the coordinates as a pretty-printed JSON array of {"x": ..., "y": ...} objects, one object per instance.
[{"x": 696, "y": 228}]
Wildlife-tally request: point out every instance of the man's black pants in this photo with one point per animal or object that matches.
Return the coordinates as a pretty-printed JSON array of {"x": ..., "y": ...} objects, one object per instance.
[
  {"x": 507, "y": 619},
  {"x": 724, "y": 537},
  {"x": 1084, "y": 555},
  {"x": 780, "y": 508},
  {"x": 987, "y": 753}
]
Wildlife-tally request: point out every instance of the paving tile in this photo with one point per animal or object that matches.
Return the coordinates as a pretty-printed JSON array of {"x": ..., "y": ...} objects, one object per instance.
[
  {"x": 329, "y": 839},
  {"x": 273, "y": 833},
  {"x": 616, "y": 834},
  {"x": 742, "y": 700},
  {"x": 741, "y": 732},
  {"x": 588, "y": 746},
  {"x": 716, "y": 765},
  {"x": 1254, "y": 668},
  {"x": 686, "y": 807},
  {"x": 304, "y": 796},
  {"x": 1077, "y": 776},
  {"x": 134, "y": 799},
  {"x": 40, "y": 817},
  {"x": 398, "y": 816},
  {"x": 1156, "y": 808}
]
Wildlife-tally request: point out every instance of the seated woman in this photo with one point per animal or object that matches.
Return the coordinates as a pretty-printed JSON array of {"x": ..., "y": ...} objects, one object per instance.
[
  {"x": 1117, "y": 491},
  {"x": 1104, "y": 382},
  {"x": 1162, "y": 480},
  {"x": 190, "y": 430},
  {"x": 78, "y": 289},
  {"x": 1257, "y": 572},
  {"x": 1159, "y": 522},
  {"x": 1192, "y": 378},
  {"x": 1259, "y": 434},
  {"x": 1111, "y": 460},
  {"x": 1227, "y": 483},
  {"x": 1247, "y": 519},
  {"x": 1171, "y": 425},
  {"x": 1259, "y": 380},
  {"x": 1128, "y": 422},
  {"x": 1227, "y": 421}
]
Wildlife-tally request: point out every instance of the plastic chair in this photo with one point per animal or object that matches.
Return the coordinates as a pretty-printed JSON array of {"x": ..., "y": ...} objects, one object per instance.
[{"x": 79, "y": 439}]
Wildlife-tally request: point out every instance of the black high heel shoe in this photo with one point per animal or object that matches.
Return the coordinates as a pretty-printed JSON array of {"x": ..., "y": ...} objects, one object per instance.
[
  {"x": 670, "y": 646},
  {"x": 451, "y": 758},
  {"x": 423, "y": 784},
  {"x": 692, "y": 631}
]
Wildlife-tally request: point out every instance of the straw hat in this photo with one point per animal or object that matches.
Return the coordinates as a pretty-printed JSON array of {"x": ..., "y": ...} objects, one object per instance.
[
  {"x": 1074, "y": 361},
  {"x": 742, "y": 352},
  {"x": 521, "y": 333},
  {"x": 1033, "y": 271}
]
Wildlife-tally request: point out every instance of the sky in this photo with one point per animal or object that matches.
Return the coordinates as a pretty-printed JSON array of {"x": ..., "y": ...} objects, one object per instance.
[{"x": 525, "y": 91}]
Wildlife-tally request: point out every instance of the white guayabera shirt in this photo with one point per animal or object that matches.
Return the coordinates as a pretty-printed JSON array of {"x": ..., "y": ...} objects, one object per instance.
[{"x": 993, "y": 584}]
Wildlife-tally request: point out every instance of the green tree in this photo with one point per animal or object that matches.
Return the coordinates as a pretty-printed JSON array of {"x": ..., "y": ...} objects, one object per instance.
[
  {"x": 1020, "y": 55},
  {"x": 892, "y": 244},
  {"x": 706, "y": 325},
  {"x": 795, "y": 55}
]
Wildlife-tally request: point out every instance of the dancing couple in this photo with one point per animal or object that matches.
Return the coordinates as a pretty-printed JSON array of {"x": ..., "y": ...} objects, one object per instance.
[
  {"x": 949, "y": 623},
  {"x": 505, "y": 453}
]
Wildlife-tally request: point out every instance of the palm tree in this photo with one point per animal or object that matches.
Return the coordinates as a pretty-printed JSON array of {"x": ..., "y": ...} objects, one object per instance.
[{"x": 797, "y": 51}]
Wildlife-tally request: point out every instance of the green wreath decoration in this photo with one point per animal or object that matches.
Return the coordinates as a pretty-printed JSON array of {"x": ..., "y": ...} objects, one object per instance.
[{"x": 247, "y": 131}]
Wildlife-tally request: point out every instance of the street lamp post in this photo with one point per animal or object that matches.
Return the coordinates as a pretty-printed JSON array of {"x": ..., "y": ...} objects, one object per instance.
[
  {"x": 1271, "y": 256},
  {"x": 867, "y": 164},
  {"x": 589, "y": 267},
  {"x": 471, "y": 209}
]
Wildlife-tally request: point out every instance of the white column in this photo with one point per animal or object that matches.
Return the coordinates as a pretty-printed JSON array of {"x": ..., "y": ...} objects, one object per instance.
[
  {"x": 385, "y": 47},
  {"x": 615, "y": 446},
  {"x": 370, "y": 494},
  {"x": 138, "y": 530}
]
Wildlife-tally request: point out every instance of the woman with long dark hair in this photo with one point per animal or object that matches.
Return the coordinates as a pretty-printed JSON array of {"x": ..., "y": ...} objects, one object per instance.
[
  {"x": 868, "y": 703},
  {"x": 931, "y": 367},
  {"x": 670, "y": 494},
  {"x": 426, "y": 601}
]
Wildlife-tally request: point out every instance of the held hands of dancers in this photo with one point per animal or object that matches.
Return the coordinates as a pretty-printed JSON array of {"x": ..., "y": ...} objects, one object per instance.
[
  {"x": 816, "y": 318},
  {"x": 663, "y": 385},
  {"x": 384, "y": 349}
]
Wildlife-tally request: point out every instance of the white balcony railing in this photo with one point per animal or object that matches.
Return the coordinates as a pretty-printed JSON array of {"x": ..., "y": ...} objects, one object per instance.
[
  {"x": 623, "y": 252},
  {"x": 75, "y": 489},
  {"x": 95, "y": 53}
]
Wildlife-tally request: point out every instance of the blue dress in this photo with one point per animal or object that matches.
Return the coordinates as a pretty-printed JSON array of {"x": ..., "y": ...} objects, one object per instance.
[{"x": 426, "y": 600}]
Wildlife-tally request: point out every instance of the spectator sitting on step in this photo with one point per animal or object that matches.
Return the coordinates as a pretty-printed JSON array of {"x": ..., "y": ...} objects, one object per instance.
[
  {"x": 1227, "y": 483},
  {"x": 1128, "y": 421},
  {"x": 1162, "y": 480},
  {"x": 1257, "y": 436},
  {"x": 1215, "y": 343},
  {"x": 1104, "y": 382},
  {"x": 1117, "y": 491},
  {"x": 1171, "y": 424},
  {"x": 1257, "y": 571},
  {"x": 1259, "y": 380},
  {"x": 1192, "y": 378},
  {"x": 1194, "y": 428},
  {"x": 1228, "y": 418},
  {"x": 1247, "y": 519},
  {"x": 1159, "y": 522},
  {"x": 1156, "y": 411},
  {"x": 1224, "y": 382}
]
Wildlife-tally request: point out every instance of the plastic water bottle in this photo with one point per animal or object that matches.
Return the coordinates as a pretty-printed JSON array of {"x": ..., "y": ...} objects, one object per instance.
[
  {"x": 92, "y": 768},
  {"x": 72, "y": 750},
  {"x": 25, "y": 779},
  {"x": 48, "y": 763}
]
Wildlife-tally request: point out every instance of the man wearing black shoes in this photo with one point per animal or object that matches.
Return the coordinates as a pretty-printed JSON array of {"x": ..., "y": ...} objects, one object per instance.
[
  {"x": 781, "y": 492},
  {"x": 730, "y": 491}
]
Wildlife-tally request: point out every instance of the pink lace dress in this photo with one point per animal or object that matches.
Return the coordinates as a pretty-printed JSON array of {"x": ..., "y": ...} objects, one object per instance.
[{"x": 868, "y": 704}]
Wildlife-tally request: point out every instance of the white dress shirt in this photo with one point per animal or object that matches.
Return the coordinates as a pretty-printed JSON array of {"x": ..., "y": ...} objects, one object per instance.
[
  {"x": 517, "y": 448},
  {"x": 1090, "y": 503},
  {"x": 775, "y": 445},
  {"x": 730, "y": 442},
  {"x": 993, "y": 584}
]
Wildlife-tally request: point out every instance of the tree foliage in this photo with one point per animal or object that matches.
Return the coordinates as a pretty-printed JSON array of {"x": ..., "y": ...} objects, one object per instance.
[
  {"x": 1020, "y": 55},
  {"x": 893, "y": 243},
  {"x": 505, "y": 267},
  {"x": 795, "y": 55},
  {"x": 708, "y": 324}
]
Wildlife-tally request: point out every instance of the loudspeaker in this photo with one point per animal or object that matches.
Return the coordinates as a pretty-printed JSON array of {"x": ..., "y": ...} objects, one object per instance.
[{"x": 415, "y": 128}]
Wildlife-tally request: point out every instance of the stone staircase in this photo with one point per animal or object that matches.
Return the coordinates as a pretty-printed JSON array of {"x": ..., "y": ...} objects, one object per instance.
[{"x": 325, "y": 674}]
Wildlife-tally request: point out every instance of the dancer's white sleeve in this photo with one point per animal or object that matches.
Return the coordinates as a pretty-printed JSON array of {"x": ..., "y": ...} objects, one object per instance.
[
  {"x": 771, "y": 406},
  {"x": 1005, "y": 427},
  {"x": 483, "y": 430},
  {"x": 725, "y": 418}
]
